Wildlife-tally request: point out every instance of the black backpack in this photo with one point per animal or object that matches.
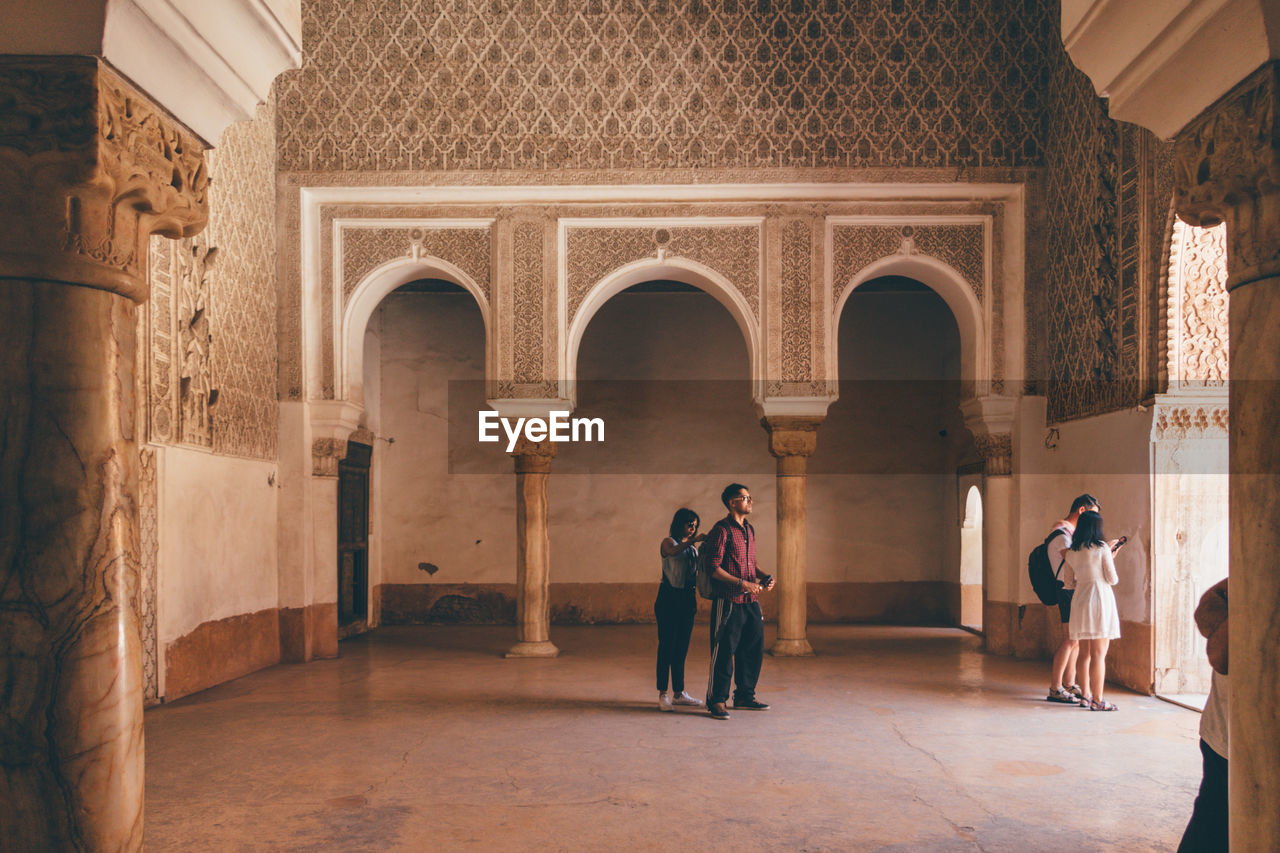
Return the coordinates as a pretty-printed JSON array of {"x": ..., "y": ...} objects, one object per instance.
[{"x": 1044, "y": 580}]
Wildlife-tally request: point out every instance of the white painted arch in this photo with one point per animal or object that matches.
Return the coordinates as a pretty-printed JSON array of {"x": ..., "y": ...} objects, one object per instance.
[
  {"x": 662, "y": 269},
  {"x": 943, "y": 279},
  {"x": 369, "y": 294}
]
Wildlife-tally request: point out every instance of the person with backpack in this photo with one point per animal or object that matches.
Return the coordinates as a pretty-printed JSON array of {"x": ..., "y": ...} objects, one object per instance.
[
  {"x": 1090, "y": 569},
  {"x": 1066, "y": 657},
  {"x": 676, "y": 607},
  {"x": 737, "y": 625}
]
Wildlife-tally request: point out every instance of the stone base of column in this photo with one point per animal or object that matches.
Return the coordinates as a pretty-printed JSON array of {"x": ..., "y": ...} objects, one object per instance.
[
  {"x": 544, "y": 649},
  {"x": 791, "y": 649}
]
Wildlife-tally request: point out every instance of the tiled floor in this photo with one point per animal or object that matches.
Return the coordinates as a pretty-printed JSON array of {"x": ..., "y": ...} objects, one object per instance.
[{"x": 890, "y": 739}]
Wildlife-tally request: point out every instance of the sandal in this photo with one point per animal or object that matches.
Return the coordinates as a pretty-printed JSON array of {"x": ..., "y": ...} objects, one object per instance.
[
  {"x": 1095, "y": 705},
  {"x": 1074, "y": 690},
  {"x": 1057, "y": 694}
]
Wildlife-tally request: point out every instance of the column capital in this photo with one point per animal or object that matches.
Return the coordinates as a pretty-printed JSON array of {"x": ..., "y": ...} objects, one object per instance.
[
  {"x": 1227, "y": 168},
  {"x": 996, "y": 450},
  {"x": 533, "y": 457},
  {"x": 90, "y": 168},
  {"x": 792, "y": 435}
]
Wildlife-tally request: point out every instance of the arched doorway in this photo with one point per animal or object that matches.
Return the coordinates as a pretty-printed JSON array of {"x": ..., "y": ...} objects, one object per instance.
[
  {"x": 439, "y": 540},
  {"x": 665, "y": 365},
  {"x": 971, "y": 560},
  {"x": 883, "y": 504}
]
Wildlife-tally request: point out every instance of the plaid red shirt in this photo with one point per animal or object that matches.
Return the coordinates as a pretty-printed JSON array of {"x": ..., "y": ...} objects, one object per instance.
[{"x": 732, "y": 547}]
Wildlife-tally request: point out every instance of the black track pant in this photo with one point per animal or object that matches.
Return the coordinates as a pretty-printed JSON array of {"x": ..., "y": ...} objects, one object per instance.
[
  {"x": 674, "y": 609},
  {"x": 1207, "y": 831},
  {"x": 737, "y": 650}
]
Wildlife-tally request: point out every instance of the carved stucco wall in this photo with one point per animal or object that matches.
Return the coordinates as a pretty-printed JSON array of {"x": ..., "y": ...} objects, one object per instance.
[
  {"x": 618, "y": 84},
  {"x": 520, "y": 262},
  {"x": 1195, "y": 309},
  {"x": 211, "y": 320},
  {"x": 1106, "y": 195}
]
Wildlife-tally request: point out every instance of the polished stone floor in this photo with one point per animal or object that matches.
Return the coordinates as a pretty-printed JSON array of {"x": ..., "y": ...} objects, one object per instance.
[{"x": 895, "y": 739}]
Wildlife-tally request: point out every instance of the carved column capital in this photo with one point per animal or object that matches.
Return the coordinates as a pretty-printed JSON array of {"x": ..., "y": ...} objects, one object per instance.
[
  {"x": 90, "y": 169},
  {"x": 533, "y": 457},
  {"x": 792, "y": 440},
  {"x": 996, "y": 450},
  {"x": 326, "y": 453},
  {"x": 1227, "y": 168}
]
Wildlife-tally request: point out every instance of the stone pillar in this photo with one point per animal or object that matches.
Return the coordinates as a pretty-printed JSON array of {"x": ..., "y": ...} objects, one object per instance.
[
  {"x": 93, "y": 172},
  {"x": 533, "y": 551},
  {"x": 1227, "y": 165},
  {"x": 792, "y": 440},
  {"x": 990, "y": 419}
]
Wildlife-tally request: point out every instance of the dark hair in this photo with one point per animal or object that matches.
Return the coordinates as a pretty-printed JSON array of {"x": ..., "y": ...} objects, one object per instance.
[
  {"x": 730, "y": 492},
  {"x": 682, "y": 517},
  {"x": 1088, "y": 532},
  {"x": 1082, "y": 502}
]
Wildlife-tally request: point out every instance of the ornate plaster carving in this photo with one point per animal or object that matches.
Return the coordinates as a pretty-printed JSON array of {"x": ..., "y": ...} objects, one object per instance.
[
  {"x": 1208, "y": 420},
  {"x": 326, "y": 453},
  {"x": 855, "y": 247},
  {"x": 602, "y": 86},
  {"x": 1227, "y": 166},
  {"x": 91, "y": 170},
  {"x": 996, "y": 450},
  {"x": 591, "y": 253},
  {"x": 149, "y": 561},
  {"x": 213, "y": 305},
  {"x": 1197, "y": 319},
  {"x": 797, "y": 316},
  {"x": 364, "y": 249},
  {"x": 530, "y": 288}
]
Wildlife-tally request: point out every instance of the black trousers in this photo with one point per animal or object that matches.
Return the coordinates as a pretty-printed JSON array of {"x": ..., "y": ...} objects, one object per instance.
[
  {"x": 1207, "y": 831},
  {"x": 674, "y": 609},
  {"x": 737, "y": 650}
]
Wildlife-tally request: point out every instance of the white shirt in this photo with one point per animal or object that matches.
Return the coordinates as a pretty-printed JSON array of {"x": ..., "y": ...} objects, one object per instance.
[{"x": 1213, "y": 722}]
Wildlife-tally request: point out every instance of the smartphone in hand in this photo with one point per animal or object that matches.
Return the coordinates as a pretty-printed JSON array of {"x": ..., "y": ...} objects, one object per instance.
[{"x": 1119, "y": 542}]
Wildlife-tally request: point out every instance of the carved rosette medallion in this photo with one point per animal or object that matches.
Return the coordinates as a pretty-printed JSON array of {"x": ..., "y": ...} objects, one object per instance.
[
  {"x": 1227, "y": 169},
  {"x": 996, "y": 450},
  {"x": 91, "y": 169}
]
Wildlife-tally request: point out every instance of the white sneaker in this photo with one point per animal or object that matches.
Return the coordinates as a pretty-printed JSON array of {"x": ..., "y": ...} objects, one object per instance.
[
  {"x": 685, "y": 699},
  {"x": 664, "y": 702}
]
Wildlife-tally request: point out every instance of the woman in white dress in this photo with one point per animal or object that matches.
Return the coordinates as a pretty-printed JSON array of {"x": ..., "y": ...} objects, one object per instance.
[{"x": 1095, "y": 621}]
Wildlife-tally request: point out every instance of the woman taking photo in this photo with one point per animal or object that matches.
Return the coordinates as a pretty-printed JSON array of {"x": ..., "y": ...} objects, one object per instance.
[
  {"x": 676, "y": 605},
  {"x": 1095, "y": 621}
]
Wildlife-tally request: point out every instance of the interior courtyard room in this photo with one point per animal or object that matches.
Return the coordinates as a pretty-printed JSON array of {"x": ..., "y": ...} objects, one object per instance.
[{"x": 917, "y": 272}]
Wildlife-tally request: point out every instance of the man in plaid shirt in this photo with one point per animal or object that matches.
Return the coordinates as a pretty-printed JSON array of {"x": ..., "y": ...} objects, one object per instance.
[{"x": 737, "y": 626}]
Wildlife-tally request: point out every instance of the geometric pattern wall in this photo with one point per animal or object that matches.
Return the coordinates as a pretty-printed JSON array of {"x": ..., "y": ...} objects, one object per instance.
[
  {"x": 211, "y": 319},
  {"x": 542, "y": 85},
  {"x": 1108, "y": 188}
]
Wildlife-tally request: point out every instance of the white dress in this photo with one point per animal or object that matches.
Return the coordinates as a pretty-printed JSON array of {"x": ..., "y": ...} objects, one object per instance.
[{"x": 1092, "y": 571}]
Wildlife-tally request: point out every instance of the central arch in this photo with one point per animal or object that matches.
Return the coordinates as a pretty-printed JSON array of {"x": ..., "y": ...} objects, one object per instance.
[
  {"x": 669, "y": 269},
  {"x": 943, "y": 279},
  {"x": 369, "y": 294}
]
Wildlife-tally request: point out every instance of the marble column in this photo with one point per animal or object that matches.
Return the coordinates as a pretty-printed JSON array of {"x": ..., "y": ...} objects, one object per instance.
[
  {"x": 92, "y": 172},
  {"x": 1227, "y": 165},
  {"x": 792, "y": 440},
  {"x": 533, "y": 551}
]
